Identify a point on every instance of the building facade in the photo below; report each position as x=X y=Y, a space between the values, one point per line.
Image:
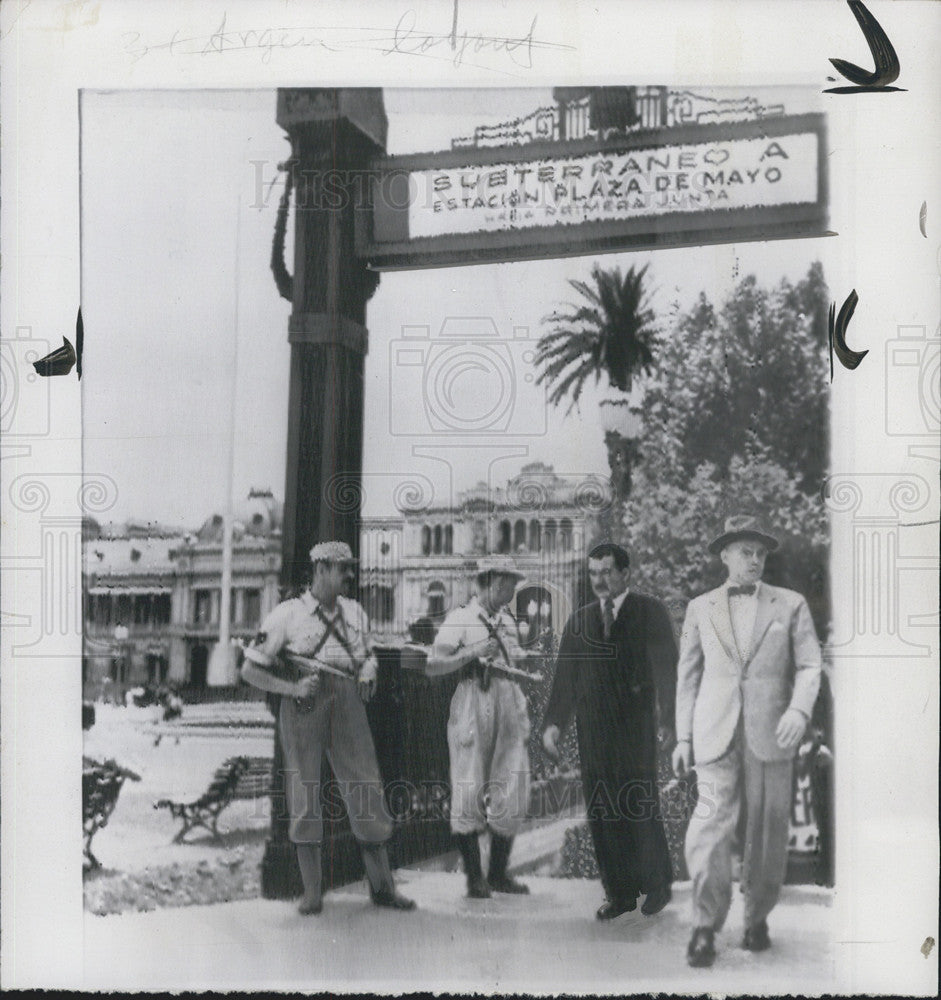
x=153 y=593
x=421 y=563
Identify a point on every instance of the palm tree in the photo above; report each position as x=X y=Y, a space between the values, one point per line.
x=611 y=333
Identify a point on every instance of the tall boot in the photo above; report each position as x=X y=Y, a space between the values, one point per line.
x=379 y=874
x=308 y=860
x=500 y=848
x=469 y=846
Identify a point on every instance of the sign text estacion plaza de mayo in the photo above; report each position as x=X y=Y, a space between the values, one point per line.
x=703 y=183
x=604 y=186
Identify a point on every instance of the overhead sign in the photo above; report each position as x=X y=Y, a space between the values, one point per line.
x=664 y=187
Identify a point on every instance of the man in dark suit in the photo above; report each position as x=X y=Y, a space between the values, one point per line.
x=616 y=670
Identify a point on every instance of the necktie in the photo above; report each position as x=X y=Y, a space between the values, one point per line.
x=608 y=616
x=746 y=590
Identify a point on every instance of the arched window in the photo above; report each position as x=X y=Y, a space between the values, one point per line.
x=548 y=536
x=504 y=543
x=519 y=535
x=425 y=540
x=535 y=536
x=436 y=595
x=437 y=539
x=448 y=539
x=565 y=535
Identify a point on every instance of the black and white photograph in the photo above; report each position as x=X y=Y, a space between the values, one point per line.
x=477 y=568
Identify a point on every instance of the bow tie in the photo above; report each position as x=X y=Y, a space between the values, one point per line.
x=746 y=590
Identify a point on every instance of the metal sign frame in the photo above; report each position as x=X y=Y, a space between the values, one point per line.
x=383 y=241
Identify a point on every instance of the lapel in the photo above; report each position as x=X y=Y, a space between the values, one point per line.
x=721 y=620
x=763 y=618
x=620 y=619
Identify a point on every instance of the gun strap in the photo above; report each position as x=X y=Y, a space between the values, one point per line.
x=330 y=628
x=494 y=634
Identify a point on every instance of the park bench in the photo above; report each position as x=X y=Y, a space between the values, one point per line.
x=101 y=785
x=236 y=778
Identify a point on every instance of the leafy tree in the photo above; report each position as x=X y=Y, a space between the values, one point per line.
x=609 y=334
x=735 y=419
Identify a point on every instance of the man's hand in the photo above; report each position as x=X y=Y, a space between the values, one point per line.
x=366 y=682
x=307 y=686
x=550 y=743
x=791 y=729
x=682 y=758
x=487 y=649
x=665 y=737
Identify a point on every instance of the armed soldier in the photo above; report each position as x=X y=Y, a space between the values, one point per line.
x=322 y=712
x=488 y=726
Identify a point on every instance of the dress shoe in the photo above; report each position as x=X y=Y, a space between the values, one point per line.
x=612 y=908
x=656 y=900
x=507 y=884
x=756 y=937
x=310 y=907
x=393 y=900
x=701 y=952
x=478 y=887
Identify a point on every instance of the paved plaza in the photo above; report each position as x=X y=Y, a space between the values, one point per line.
x=547 y=942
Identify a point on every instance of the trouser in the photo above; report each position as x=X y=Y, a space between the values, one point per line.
x=487 y=733
x=739 y=779
x=630 y=843
x=336 y=726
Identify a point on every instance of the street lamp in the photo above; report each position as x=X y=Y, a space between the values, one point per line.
x=120 y=637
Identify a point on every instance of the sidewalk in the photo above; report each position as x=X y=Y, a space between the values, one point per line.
x=547 y=942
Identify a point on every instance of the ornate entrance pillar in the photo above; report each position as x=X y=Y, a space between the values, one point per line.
x=335 y=134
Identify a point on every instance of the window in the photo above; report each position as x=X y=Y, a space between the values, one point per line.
x=437 y=539
x=379 y=603
x=548 y=537
x=251 y=608
x=504 y=541
x=436 y=594
x=141 y=609
x=519 y=535
x=535 y=536
x=565 y=535
x=124 y=609
x=202 y=607
x=161 y=609
x=448 y=540
x=425 y=540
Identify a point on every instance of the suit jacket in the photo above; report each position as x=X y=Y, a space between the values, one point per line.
x=633 y=671
x=715 y=685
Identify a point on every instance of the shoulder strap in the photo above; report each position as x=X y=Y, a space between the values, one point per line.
x=330 y=628
x=494 y=634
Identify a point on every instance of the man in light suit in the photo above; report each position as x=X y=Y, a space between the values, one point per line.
x=747 y=679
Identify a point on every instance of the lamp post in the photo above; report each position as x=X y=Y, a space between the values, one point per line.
x=120 y=638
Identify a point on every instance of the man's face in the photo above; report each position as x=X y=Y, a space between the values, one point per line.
x=745 y=561
x=606 y=579
x=502 y=589
x=336 y=577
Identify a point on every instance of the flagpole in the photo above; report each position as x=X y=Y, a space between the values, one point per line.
x=221 y=671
